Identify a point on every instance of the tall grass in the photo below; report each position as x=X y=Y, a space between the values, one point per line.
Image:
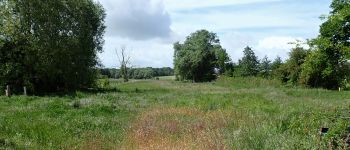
x=231 y=113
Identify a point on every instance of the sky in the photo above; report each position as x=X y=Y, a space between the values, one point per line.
x=148 y=28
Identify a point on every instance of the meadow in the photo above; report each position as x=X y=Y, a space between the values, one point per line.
x=230 y=113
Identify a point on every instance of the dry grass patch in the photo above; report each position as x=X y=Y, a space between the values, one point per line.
x=178 y=128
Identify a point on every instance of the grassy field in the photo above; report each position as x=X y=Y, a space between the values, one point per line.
x=231 y=113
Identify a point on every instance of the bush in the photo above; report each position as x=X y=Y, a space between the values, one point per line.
x=103 y=83
x=345 y=84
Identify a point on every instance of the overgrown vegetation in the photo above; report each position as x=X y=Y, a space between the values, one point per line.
x=232 y=113
x=50 y=46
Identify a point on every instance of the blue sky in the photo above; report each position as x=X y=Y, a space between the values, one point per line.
x=148 y=28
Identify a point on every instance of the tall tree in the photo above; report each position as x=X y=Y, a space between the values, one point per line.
x=249 y=64
x=275 y=67
x=325 y=66
x=265 y=67
x=276 y=63
x=290 y=71
x=196 y=58
x=57 y=42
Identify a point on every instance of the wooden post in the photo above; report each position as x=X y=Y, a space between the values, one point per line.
x=8 y=91
x=25 y=91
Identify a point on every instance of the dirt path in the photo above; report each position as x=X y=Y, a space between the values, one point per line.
x=177 y=129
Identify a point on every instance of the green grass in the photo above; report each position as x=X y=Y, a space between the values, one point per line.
x=231 y=113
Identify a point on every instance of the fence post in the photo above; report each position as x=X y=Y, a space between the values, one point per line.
x=25 y=91
x=8 y=91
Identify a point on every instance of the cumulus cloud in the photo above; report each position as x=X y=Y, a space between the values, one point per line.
x=145 y=53
x=137 y=19
x=149 y=27
x=277 y=46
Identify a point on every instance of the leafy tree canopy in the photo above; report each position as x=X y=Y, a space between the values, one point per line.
x=325 y=66
x=50 y=45
x=249 y=64
x=198 y=57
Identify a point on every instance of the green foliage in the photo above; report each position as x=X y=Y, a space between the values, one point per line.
x=223 y=61
x=103 y=82
x=50 y=45
x=325 y=66
x=144 y=73
x=198 y=57
x=289 y=72
x=276 y=63
x=249 y=64
x=138 y=73
x=265 y=67
x=275 y=66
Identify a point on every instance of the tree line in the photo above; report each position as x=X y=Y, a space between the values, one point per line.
x=50 y=46
x=325 y=64
x=137 y=73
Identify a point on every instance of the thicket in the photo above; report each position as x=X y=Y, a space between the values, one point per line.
x=50 y=46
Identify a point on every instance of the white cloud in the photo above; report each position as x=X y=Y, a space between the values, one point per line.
x=137 y=19
x=145 y=53
x=193 y=4
x=149 y=27
x=277 y=46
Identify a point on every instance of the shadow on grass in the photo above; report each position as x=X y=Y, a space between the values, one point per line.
x=76 y=93
x=7 y=144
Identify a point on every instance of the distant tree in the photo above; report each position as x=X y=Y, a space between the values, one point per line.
x=249 y=64
x=325 y=66
x=265 y=67
x=290 y=71
x=50 y=46
x=276 y=63
x=138 y=73
x=125 y=63
x=196 y=59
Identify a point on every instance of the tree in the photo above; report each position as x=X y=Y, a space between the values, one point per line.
x=275 y=66
x=125 y=64
x=276 y=63
x=325 y=66
x=265 y=67
x=196 y=59
x=290 y=71
x=50 y=45
x=249 y=64
x=223 y=60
